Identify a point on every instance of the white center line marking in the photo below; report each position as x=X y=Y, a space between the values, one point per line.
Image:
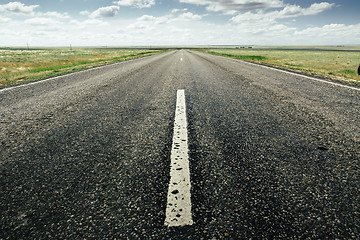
x=178 y=208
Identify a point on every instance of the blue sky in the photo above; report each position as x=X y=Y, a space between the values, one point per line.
x=179 y=22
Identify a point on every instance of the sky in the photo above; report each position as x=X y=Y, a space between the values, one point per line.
x=179 y=22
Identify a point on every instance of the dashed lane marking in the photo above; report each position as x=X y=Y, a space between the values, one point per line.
x=178 y=208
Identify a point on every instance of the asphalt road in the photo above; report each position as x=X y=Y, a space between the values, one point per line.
x=272 y=155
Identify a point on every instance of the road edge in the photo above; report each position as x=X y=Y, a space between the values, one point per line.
x=300 y=74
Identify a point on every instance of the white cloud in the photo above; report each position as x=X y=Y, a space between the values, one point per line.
x=89 y=23
x=234 y=6
x=147 y=22
x=175 y=10
x=154 y=20
x=45 y=24
x=140 y=26
x=55 y=15
x=4 y=19
x=331 y=34
x=190 y=16
x=263 y=23
x=255 y=22
x=318 y=8
x=290 y=11
x=136 y=3
x=39 y=21
x=85 y=13
x=21 y=9
x=104 y=12
x=296 y=11
x=18 y=8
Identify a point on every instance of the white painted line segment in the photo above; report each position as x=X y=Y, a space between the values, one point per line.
x=178 y=207
x=300 y=75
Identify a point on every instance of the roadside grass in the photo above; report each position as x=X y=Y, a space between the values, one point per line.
x=329 y=62
x=241 y=57
x=22 y=65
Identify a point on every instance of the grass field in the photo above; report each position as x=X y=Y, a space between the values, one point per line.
x=23 y=65
x=338 y=63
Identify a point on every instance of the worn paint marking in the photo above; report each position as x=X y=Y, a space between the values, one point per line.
x=178 y=208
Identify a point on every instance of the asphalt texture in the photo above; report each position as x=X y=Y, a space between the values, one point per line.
x=272 y=155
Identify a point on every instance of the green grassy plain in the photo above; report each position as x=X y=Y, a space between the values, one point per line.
x=338 y=63
x=23 y=65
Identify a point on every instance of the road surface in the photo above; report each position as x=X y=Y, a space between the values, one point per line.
x=271 y=155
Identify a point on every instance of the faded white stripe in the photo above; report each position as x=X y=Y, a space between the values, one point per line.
x=178 y=208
